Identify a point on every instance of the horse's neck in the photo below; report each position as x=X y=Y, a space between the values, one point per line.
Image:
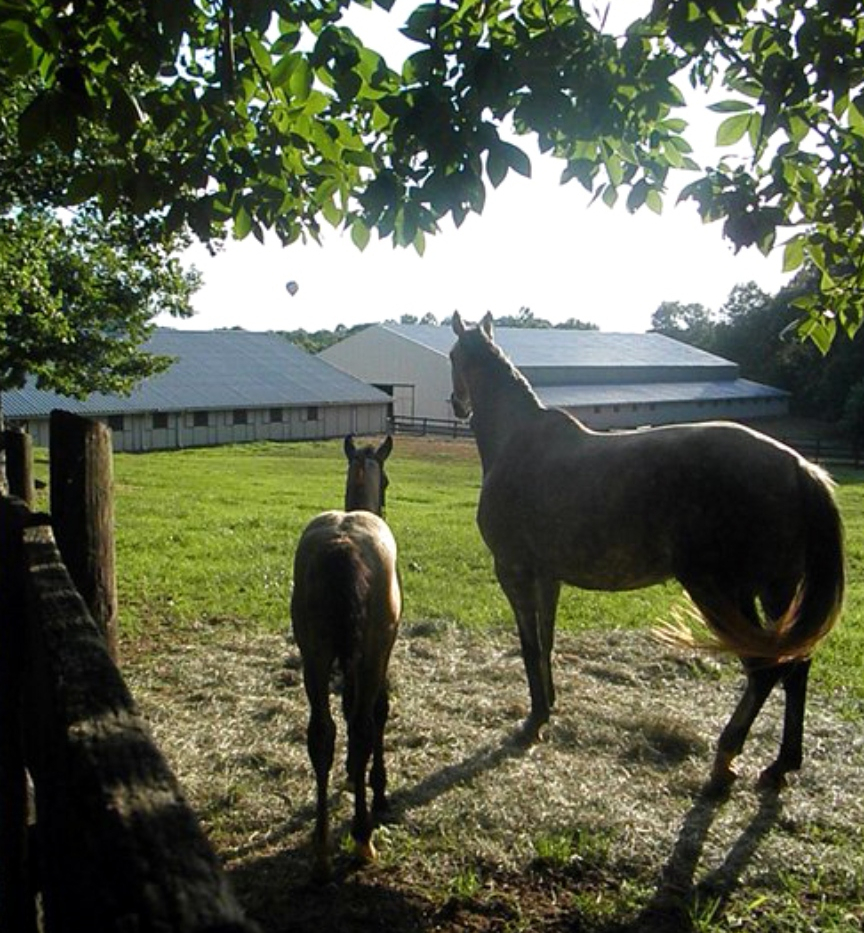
x=500 y=408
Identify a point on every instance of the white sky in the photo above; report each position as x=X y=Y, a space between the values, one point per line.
x=537 y=244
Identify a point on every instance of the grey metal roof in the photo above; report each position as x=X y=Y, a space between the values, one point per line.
x=575 y=396
x=214 y=370
x=545 y=347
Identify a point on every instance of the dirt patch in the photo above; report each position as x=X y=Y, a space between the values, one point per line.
x=600 y=826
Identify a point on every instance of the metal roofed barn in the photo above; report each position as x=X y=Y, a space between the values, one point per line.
x=224 y=387
x=606 y=380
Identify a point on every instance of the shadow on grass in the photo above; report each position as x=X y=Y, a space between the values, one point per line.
x=486 y=758
x=276 y=894
x=275 y=890
x=681 y=901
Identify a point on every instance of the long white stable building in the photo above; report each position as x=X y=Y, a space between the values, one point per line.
x=606 y=380
x=224 y=387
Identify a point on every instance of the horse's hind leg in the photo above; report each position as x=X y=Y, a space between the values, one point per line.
x=792 y=745
x=378 y=775
x=548 y=592
x=520 y=588
x=361 y=732
x=320 y=741
x=760 y=682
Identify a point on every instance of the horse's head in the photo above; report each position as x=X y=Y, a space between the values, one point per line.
x=460 y=358
x=367 y=481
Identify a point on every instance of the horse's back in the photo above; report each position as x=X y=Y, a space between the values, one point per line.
x=364 y=538
x=621 y=510
x=364 y=530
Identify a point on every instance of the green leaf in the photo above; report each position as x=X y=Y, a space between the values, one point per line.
x=516 y=159
x=732 y=129
x=638 y=195
x=856 y=115
x=731 y=106
x=654 y=201
x=359 y=234
x=332 y=213
x=242 y=223
x=496 y=165
x=793 y=254
x=300 y=79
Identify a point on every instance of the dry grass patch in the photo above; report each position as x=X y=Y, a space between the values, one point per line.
x=599 y=827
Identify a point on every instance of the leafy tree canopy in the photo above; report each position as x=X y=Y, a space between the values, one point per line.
x=78 y=298
x=79 y=288
x=273 y=114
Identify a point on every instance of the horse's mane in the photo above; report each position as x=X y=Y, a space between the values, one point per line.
x=483 y=349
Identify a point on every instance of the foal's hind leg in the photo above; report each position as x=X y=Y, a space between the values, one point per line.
x=792 y=745
x=320 y=741
x=361 y=732
x=378 y=775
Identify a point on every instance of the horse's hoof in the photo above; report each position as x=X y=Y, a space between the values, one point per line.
x=365 y=851
x=772 y=779
x=719 y=784
x=531 y=731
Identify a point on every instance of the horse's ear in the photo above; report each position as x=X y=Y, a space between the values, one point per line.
x=386 y=448
x=486 y=324
x=458 y=326
x=350 y=449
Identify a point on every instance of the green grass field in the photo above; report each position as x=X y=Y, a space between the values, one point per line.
x=207 y=536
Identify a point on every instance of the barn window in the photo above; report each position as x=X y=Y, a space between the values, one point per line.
x=240 y=416
x=312 y=413
x=115 y=422
x=200 y=419
x=275 y=415
x=160 y=420
x=597 y=409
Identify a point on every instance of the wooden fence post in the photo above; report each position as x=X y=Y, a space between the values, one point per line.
x=82 y=513
x=18 y=446
x=17 y=902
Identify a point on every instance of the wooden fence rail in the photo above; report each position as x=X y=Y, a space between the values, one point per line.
x=421 y=427
x=112 y=845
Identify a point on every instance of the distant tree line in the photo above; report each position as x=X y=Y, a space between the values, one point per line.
x=758 y=331
x=315 y=341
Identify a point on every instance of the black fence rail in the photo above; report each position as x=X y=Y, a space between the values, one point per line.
x=421 y=427
x=823 y=451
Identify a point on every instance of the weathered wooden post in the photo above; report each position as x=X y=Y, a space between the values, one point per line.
x=18 y=446
x=82 y=513
x=17 y=903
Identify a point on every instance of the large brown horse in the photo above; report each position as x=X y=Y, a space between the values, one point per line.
x=345 y=610
x=740 y=520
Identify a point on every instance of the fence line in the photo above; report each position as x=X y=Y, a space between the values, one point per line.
x=113 y=845
x=826 y=451
x=421 y=427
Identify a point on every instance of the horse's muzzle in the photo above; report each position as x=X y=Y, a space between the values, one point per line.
x=461 y=409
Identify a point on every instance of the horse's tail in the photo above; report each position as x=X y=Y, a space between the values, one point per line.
x=817 y=603
x=342 y=597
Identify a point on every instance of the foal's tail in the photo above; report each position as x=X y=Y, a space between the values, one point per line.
x=817 y=603
x=342 y=597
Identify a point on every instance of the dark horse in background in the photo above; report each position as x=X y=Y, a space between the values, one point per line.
x=740 y=520
x=345 y=610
